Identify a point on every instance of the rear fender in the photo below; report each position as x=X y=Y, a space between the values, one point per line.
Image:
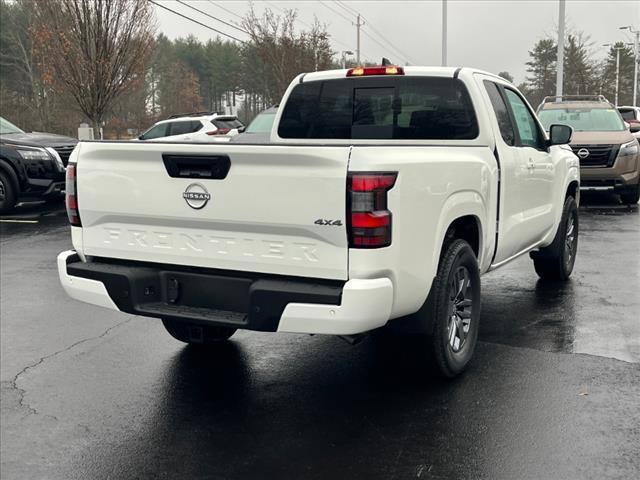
x=461 y=204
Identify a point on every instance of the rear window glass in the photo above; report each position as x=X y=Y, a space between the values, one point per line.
x=627 y=114
x=398 y=108
x=228 y=123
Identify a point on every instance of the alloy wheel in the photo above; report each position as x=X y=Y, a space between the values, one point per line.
x=460 y=304
x=570 y=240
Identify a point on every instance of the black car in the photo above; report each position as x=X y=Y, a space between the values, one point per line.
x=32 y=165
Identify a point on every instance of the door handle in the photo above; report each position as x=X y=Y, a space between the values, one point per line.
x=531 y=165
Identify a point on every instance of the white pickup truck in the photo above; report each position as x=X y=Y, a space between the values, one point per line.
x=381 y=198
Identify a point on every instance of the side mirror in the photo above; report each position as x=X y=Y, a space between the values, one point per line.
x=560 y=134
x=634 y=127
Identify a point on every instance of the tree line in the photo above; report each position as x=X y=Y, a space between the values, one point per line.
x=582 y=73
x=102 y=61
x=63 y=62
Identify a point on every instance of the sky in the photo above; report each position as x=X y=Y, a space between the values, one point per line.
x=493 y=35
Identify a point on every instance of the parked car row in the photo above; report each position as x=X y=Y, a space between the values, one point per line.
x=32 y=164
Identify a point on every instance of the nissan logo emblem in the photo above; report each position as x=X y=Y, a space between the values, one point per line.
x=583 y=153
x=196 y=196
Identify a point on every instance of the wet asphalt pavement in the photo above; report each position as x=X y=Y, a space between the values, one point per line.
x=553 y=392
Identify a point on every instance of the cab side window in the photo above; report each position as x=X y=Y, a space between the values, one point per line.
x=502 y=113
x=530 y=134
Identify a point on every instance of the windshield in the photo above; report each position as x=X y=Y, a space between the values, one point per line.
x=380 y=107
x=583 y=119
x=8 y=127
x=262 y=123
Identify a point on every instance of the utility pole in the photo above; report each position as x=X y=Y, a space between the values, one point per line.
x=636 y=60
x=560 y=59
x=358 y=25
x=444 y=33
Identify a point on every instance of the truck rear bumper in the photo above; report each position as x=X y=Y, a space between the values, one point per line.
x=235 y=299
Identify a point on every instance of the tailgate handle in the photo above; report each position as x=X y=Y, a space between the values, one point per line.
x=214 y=167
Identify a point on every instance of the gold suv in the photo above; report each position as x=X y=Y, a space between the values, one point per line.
x=609 y=154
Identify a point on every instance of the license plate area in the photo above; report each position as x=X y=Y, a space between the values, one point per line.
x=205 y=291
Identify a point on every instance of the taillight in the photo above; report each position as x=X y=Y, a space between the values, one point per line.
x=366 y=71
x=369 y=219
x=72 y=195
x=220 y=131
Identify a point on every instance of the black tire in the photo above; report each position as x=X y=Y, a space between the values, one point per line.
x=631 y=197
x=555 y=262
x=8 y=195
x=194 y=334
x=451 y=311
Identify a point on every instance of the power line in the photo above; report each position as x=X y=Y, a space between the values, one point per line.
x=211 y=16
x=298 y=19
x=335 y=11
x=310 y=26
x=226 y=10
x=389 y=47
x=346 y=8
x=196 y=21
x=383 y=46
x=348 y=20
x=352 y=11
x=402 y=54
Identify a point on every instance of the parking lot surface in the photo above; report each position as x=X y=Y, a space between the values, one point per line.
x=552 y=393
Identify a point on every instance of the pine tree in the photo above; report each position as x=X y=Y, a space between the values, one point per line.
x=542 y=70
x=579 y=70
x=608 y=78
x=507 y=76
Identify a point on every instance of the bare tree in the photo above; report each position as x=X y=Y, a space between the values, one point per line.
x=95 y=49
x=21 y=69
x=283 y=52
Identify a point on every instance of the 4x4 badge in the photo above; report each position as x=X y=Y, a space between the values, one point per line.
x=196 y=196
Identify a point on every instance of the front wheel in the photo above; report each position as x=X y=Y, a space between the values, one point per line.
x=632 y=196
x=7 y=194
x=556 y=261
x=197 y=334
x=455 y=308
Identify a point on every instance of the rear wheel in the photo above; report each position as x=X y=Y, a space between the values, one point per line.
x=7 y=194
x=556 y=261
x=632 y=196
x=455 y=308
x=197 y=334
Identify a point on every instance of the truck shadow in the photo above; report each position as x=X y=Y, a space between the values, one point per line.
x=221 y=417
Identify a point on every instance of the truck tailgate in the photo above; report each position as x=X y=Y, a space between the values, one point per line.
x=261 y=216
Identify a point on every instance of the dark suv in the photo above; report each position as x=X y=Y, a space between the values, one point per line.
x=32 y=165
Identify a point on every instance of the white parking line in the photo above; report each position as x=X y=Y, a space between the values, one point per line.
x=12 y=220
